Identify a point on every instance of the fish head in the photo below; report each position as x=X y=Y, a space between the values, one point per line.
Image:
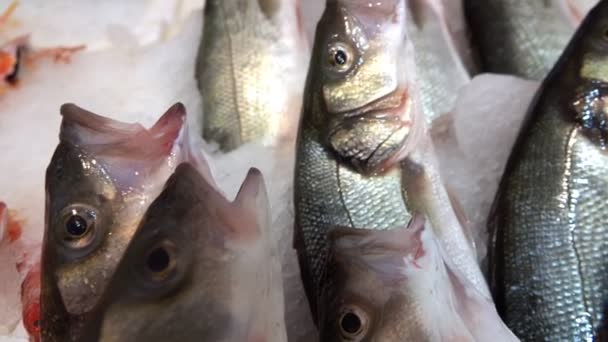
x=196 y=268
x=363 y=64
x=101 y=178
x=394 y=285
x=364 y=292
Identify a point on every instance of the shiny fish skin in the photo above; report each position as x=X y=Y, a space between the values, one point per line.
x=328 y=190
x=218 y=277
x=518 y=37
x=104 y=172
x=550 y=216
x=251 y=71
x=440 y=68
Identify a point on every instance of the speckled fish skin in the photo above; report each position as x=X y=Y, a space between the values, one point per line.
x=440 y=68
x=103 y=174
x=550 y=217
x=356 y=117
x=199 y=268
x=251 y=71
x=519 y=37
x=378 y=284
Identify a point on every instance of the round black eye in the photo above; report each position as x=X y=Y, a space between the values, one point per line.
x=340 y=57
x=158 y=260
x=353 y=323
x=350 y=323
x=76 y=226
x=161 y=261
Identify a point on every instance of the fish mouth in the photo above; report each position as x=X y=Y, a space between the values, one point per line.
x=371 y=138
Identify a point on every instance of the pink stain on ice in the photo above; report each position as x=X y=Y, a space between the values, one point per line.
x=30 y=301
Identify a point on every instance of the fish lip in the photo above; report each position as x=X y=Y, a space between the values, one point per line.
x=376 y=108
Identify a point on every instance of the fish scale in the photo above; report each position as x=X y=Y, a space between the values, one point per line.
x=519 y=37
x=550 y=217
x=538 y=221
x=331 y=194
x=588 y=224
x=440 y=70
x=247 y=64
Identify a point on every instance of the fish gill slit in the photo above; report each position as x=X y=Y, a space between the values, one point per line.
x=340 y=193
x=571 y=220
x=371 y=155
x=235 y=98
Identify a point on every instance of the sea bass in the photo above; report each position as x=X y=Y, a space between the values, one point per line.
x=251 y=71
x=357 y=121
x=199 y=268
x=102 y=177
x=378 y=285
x=519 y=37
x=550 y=217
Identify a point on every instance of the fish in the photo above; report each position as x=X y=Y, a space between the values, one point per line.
x=519 y=37
x=357 y=119
x=101 y=179
x=549 y=241
x=378 y=285
x=251 y=69
x=439 y=54
x=199 y=268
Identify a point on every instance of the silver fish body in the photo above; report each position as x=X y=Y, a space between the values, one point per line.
x=440 y=67
x=519 y=37
x=550 y=217
x=356 y=118
x=251 y=70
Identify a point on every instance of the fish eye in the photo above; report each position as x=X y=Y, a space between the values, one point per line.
x=160 y=262
x=78 y=226
x=353 y=323
x=340 y=57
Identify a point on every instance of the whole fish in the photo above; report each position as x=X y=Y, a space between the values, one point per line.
x=357 y=119
x=378 y=285
x=550 y=217
x=102 y=177
x=519 y=37
x=251 y=71
x=199 y=268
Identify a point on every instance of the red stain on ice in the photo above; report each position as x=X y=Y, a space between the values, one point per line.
x=30 y=301
x=14 y=227
x=30 y=287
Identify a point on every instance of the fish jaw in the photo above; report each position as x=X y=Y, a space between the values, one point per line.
x=364 y=68
x=220 y=268
x=104 y=173
x=388 y=275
